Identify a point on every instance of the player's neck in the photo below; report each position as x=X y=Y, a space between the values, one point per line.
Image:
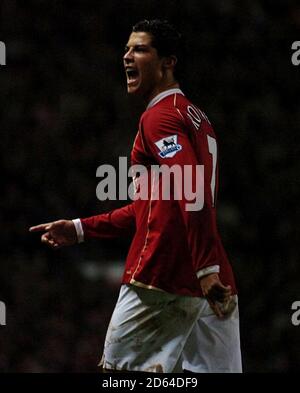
x=160 y=89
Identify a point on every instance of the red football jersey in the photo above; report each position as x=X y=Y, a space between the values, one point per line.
x=172 y=246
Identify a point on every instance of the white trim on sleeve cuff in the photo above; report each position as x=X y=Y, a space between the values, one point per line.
x=79 y=230
x=208 y=270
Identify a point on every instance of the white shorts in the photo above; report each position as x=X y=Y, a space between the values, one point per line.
x=154 y=331
x=214 y=344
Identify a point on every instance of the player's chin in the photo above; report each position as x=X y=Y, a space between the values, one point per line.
x=132 y=89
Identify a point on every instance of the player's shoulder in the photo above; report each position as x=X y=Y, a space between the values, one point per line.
x=195 y=116
x=164 y=111
x=176 y=109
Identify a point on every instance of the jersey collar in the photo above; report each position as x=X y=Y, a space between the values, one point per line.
x=163 y=95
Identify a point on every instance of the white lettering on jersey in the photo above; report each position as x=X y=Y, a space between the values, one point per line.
x=196 y=116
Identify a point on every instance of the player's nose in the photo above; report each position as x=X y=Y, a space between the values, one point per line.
x=128 y=56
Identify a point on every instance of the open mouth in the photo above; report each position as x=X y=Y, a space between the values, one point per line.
x=132 y=75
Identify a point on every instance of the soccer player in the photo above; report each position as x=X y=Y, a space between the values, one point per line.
x=177 y=308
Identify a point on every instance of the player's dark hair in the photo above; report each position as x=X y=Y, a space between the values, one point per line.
x=165 y=39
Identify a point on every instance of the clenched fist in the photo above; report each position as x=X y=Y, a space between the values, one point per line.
x=218 y=295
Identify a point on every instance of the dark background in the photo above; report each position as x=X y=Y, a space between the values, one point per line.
x=64 y=111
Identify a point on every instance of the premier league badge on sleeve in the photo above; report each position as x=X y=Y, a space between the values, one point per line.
x=168 y=146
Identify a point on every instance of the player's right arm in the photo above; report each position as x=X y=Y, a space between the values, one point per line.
x=57 y=234
x=117 y=223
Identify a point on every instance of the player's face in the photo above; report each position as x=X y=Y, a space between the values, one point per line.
x=143 y=66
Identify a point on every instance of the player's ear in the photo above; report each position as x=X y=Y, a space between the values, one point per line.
x=170 y=61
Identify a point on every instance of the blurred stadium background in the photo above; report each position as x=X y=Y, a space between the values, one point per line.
x=64 y=111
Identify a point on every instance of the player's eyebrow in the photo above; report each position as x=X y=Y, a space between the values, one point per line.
x=136 y=47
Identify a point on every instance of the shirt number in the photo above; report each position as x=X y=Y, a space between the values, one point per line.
x=212 y=148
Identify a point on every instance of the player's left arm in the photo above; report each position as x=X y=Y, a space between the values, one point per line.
x=154 y=131
x=218 y=295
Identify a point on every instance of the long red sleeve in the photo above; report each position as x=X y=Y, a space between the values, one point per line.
x=117 y=223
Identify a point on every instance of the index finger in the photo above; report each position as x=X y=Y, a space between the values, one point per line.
x=41 y=227
x=220 y=287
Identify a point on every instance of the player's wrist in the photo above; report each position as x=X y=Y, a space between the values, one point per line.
x=208 y=270
x=79 y=230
